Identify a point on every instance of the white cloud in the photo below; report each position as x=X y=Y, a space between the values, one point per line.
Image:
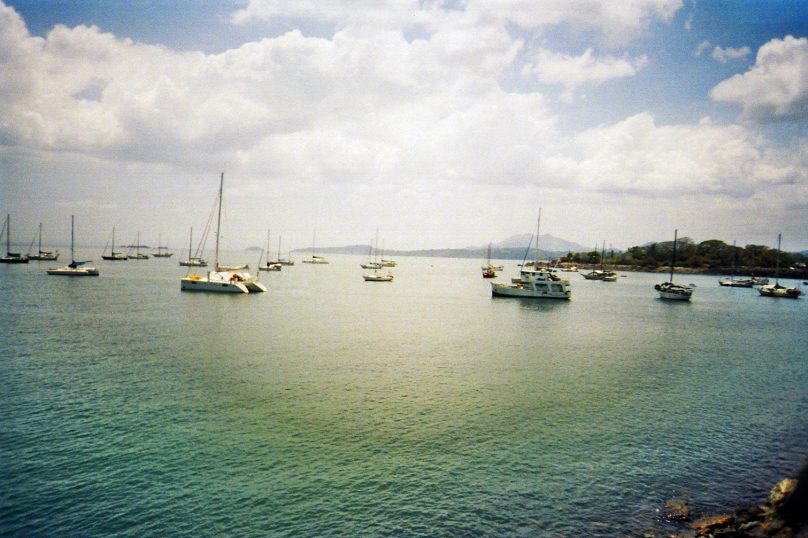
x=776 y=87
x=704 y=45
x=637 y=156
x=724 y=55
x=618 y=23
x=575 y=71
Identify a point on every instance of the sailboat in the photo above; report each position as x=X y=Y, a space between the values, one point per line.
x=731 y=281
x=269 y=265
x=219 y=281
x=11 y=257
x=776 y=290
x=45 y=255
x=537 y=280
x=378 y=275
x=162 y=251
x=600 y=274
x=488 y=268
x=113 y=256
x=193 y=261
x=137 y=255
x=316 y=260
x=671 y=290
x=373 y=263
x=74 y=268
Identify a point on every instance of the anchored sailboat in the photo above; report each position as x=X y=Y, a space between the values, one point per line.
x=44 y=255
x=218 y=280
x=671 y=290
x=74 y=268
x=113 y=256
x=11 y=257
x=776 y=290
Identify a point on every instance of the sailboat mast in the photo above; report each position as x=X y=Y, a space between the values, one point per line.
x=538 y=227
x=40 y=238
x=218 y=222
x=602 y=253
x=673 y=260
x=777 y=265
x=190 y=242
x=72 y=253
x=8 y=233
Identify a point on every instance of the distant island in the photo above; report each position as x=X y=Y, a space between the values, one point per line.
x=711 y=256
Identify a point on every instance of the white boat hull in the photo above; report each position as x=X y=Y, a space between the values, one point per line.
x=674 y=292
x=222 y=282
x=73 y=271
x=516 y=290
x=775 y=290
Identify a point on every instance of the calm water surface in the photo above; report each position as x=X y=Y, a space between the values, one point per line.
x=334 y=407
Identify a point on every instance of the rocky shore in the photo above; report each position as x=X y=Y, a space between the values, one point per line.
x=784 y=514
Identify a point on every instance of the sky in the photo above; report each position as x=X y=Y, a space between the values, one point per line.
x=442 y=124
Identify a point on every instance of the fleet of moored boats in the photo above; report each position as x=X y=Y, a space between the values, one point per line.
x=537 y=278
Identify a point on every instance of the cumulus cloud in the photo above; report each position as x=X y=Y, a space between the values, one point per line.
x=638 y=156
x=724 y=55
x=704 y=45
x=575 y=71
x=776 y=87
x=618 y=23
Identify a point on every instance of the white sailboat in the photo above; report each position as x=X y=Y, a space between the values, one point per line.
x=537 y=280
x=193 y=261
x=316 y=260
x=670 y=290
x=218 y=280
x=378 y=274
x=137 y=255
x=776 y=290
x=74 y=268
x=270 y=265
x=44 y=255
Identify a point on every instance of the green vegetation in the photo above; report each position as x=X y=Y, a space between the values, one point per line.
x=710 y=254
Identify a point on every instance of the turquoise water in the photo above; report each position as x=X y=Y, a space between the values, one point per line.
x=334 y=407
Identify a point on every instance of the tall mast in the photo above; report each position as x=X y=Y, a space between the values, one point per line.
x=190 y=242
x=538 y=227
x=218 y=222
x=8 y=233
x=673 y=261
x=602 y=253
x=40 y=238
x=72 y=254
x=777 y=266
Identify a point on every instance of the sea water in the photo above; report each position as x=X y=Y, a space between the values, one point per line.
x=331 y=406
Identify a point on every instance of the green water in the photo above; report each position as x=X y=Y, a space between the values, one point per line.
x=423 y=407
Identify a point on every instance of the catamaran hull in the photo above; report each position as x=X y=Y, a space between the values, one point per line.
x=216 y=286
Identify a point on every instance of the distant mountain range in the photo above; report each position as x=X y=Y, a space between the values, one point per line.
x=512 y=248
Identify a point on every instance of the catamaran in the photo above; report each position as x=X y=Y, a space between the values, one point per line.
x=74 y=268
x=218 y=280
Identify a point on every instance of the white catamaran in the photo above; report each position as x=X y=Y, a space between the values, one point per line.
x=218 y=280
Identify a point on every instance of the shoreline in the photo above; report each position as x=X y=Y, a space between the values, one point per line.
x=768 y=272
x=784 y=514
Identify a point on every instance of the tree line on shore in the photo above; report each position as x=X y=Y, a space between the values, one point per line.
x=710 y=254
